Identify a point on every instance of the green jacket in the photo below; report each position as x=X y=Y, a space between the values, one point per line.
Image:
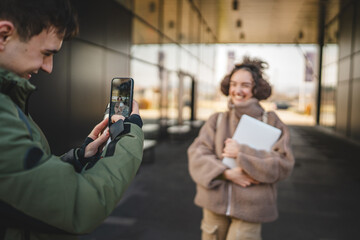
x=41 y=195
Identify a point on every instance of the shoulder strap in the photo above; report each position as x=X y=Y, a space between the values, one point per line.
x=265 y=117
x=22 y=116
x=219 y=117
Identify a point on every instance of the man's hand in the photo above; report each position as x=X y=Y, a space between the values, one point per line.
x=135 y=110
x=239 y=176
x=231 y=149
x=99 y=140
x=117 y=117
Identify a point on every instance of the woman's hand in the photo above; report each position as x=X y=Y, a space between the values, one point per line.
x=231 y=149
x=99 y=139
x=239 y=176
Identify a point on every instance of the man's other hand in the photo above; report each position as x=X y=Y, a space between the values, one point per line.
x=99 y=140
x=135 y=108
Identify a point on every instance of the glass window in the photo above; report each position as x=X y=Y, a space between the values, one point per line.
x=146 y=88
x=329 y=76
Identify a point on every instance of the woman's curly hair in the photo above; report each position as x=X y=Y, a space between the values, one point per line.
x=261 y=89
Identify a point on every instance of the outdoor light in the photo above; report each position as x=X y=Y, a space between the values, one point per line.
x=301 y=35
x=152 y=7
x=171 y=24
x=242 y=35
x=235 y=5
x=238 y=23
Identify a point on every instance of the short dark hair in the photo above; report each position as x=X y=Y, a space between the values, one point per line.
x=261 y=89
x=31 y=17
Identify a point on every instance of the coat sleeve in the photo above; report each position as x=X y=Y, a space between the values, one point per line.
x=269 y=167
x=50 y=190
x=204 y=166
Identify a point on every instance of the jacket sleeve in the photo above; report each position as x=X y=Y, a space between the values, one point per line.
x=76 y=157
x=204 y=166
x=50 y=190
x=269 y=167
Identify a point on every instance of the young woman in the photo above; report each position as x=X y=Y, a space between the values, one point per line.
x=236 y=201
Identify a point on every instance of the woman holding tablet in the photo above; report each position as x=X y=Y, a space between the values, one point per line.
x=237 y=200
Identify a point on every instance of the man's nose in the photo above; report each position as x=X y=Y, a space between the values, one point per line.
x=47 y=65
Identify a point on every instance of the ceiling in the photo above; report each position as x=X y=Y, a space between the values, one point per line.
x=268 y=21
x=250 y=21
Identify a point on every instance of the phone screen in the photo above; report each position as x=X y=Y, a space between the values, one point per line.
x=121 y=97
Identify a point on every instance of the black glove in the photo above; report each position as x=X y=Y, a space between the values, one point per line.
x=76 y=157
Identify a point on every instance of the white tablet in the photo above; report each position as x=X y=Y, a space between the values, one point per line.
x=254 y=133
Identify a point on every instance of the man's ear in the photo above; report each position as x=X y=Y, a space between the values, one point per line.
x=7 y=29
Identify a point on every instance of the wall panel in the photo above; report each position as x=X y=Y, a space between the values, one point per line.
x=356 y=66
x=355 y=112
x=116 y=66
x=92 y=20
x=49 y=104
x=344 y=69
x=357 y=27
x=345 y=41
x=72 y=99
x=86 y=86
x=118 y=27
x=348 y=100
x=342 y=107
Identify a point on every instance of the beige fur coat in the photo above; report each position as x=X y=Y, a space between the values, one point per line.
x=256 y=203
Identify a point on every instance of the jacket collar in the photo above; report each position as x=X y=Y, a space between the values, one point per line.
x=17 y=88
x=251 y=107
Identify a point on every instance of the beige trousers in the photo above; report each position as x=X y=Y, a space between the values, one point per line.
x=220 y=227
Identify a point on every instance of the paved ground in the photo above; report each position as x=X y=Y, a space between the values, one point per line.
x=321 y=200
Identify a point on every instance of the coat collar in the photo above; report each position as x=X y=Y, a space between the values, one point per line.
x=251 y=107
x=17 y=88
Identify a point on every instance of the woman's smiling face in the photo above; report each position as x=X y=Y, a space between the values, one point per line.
x=241 y=85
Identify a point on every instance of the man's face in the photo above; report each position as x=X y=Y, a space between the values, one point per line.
x=26 y=58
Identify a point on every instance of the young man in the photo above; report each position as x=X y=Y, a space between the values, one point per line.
x=43 y=196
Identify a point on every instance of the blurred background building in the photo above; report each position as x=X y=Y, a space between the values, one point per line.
x=177 y=51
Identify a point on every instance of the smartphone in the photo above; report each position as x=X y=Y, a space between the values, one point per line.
x=121 y=97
